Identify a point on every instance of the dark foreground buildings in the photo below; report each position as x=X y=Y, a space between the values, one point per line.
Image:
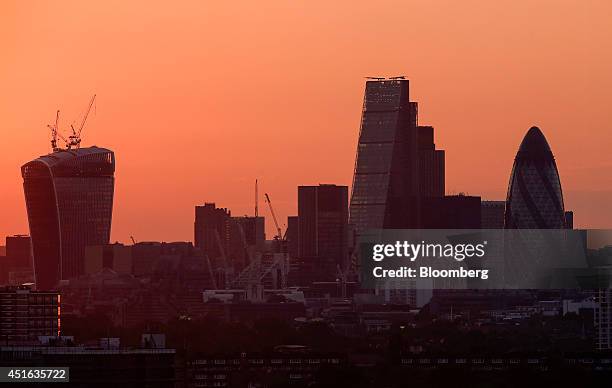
x=492 y=214
x=69 y=198
x=228 y=242
x=16 y=264
x=323 y=225
x=451 y=212
x=212 y=229
x=26 y=314
x=99 y=367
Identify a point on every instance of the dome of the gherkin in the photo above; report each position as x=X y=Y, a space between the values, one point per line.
x=535 y=197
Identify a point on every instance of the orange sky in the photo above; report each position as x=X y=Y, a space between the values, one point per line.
x=197 y=99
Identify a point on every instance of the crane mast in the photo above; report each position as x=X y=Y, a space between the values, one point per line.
x=74 y=140
x=279 y=234
x=53 y=129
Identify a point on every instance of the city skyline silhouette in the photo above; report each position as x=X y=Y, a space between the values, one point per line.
x=305 y=194
x=202 y=121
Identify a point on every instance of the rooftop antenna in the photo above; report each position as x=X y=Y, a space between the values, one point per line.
x=256 y=201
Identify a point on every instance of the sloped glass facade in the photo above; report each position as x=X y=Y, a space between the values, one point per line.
x=381 y=183
x=397 y=164
x=69 y=199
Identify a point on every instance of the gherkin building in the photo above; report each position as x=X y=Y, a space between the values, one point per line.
x=535 y=198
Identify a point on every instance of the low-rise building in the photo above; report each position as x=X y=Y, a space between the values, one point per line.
x=26 y=314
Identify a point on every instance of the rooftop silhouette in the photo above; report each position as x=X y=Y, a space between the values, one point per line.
x=534 y=146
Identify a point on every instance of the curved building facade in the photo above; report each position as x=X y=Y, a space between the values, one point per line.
x=535 y=198
x=69 y=199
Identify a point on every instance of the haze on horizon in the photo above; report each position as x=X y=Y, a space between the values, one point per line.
x=199 y=99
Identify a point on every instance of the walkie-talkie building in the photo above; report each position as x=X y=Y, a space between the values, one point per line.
x=69 y=199
x=535 y=198
x=397 y=164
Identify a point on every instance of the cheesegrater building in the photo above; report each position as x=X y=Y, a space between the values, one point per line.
x=397 y=164
x=69 y=199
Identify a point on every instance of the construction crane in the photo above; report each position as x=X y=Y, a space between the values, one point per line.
x=245 y=244
x=279 y=233
x=74 y=140
x=211 y=273
x=54 y=133
x=376 y=78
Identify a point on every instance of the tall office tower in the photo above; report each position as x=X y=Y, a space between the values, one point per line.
x=212 y=230
x=69 y=198
x=492 y=214
x=323 y=224
x=535 y=198
x=430 y=164
x=292 y=235
x=396 y=164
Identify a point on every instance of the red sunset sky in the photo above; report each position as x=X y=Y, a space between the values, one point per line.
x=199 y=98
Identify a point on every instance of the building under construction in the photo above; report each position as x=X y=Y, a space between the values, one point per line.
x=69 y=199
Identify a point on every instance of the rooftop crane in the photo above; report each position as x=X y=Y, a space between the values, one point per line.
x=281 y=264
x=53 y=129
x=279 y=234
x=55 y=133
x=74 y=140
